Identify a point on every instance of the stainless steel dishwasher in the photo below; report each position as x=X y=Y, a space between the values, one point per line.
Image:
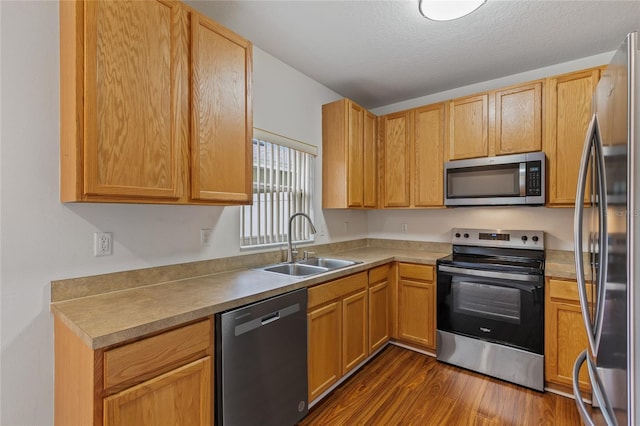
x=261 y=362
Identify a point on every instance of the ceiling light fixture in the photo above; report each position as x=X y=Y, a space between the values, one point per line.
x=447 y=10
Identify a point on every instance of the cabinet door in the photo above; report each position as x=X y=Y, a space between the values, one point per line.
x=355 y=170
x=379 y=297
x=468 y=127
x=565 y=335
x=568 y=114
x=428 y=156
x=354 y=330
x=134 y=121
x=518 y=119
x=180 y=397
x=416 y=305
x=397 y=139
x=370 y=139
x=222 y=123
x=324 y=347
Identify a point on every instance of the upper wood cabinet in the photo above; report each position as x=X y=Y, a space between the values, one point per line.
x=395 y=132
x=370 y=159
x=133 y=75
x=221 y=148
x=505 y=121
x=413 y=145
x=469 y=127
x=518 y=119
x=568 y=112
x=428 y=155
x=349 y=152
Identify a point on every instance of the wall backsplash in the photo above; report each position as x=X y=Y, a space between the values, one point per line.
x=435 y=225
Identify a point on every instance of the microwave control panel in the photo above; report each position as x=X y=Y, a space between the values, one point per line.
x=534 y=178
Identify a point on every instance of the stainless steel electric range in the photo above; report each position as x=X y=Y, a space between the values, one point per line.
x=490 y=313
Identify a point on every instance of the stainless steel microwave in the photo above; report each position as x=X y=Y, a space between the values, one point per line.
x=493 y=181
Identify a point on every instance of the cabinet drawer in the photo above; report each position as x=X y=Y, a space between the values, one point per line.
x=416 y=272
x=379 y=274
x=150 y=357
x=568 y=290
x=336 y=289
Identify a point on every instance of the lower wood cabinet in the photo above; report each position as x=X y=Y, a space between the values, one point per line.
x=338 y=330
x=179 y=397
x=162 y=379
x=565 y=335
x=355 y=319
x=379 y=307
x=324 y=367
x=417 y=305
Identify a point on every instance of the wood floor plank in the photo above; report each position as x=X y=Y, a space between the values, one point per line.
x=402 y=387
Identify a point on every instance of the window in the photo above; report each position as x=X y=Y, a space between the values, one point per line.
x=282 y=185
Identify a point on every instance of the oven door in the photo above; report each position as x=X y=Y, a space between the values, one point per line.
x=500 y=307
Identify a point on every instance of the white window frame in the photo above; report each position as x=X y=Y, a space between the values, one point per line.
x=277 y=179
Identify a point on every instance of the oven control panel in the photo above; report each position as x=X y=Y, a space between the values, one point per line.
x=532 y=240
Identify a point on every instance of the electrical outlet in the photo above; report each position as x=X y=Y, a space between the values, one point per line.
x=403 y=227
x=346 y=227
x=102 y=244
x=205 y=237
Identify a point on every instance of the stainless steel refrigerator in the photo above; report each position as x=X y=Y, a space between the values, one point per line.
x=607 y=246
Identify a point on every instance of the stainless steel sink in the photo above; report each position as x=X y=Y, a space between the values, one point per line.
x=295 y=269
x=326 y=262
x=306 y=267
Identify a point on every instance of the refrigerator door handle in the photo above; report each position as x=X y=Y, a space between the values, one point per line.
x=582 y=409
x=598 y=395
x=603 y=246
x=577 y=233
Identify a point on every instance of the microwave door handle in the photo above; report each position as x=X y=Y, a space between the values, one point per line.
x=577 y=234
x=602 y=241
x=523 y=179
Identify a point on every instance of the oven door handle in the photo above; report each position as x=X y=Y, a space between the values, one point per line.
x=489 y=274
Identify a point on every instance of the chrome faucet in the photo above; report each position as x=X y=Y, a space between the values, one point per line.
x=290 y=249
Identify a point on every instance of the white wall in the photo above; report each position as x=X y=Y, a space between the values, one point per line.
x=435 y=225
x=44 y=240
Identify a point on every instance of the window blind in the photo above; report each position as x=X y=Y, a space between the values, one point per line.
x=282 y=186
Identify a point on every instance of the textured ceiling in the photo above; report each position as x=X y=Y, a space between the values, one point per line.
x=381 y=52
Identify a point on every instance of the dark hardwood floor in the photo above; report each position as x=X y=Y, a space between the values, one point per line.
x=402 y=387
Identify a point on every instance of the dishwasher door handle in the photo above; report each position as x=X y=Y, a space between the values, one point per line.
x=270 y=318
x=247 y=326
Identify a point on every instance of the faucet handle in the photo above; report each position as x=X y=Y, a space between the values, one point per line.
x=306 y=253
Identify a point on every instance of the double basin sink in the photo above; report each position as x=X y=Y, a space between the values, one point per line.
x=310 y=266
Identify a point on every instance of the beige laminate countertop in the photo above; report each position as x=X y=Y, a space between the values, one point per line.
x=111 y=318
